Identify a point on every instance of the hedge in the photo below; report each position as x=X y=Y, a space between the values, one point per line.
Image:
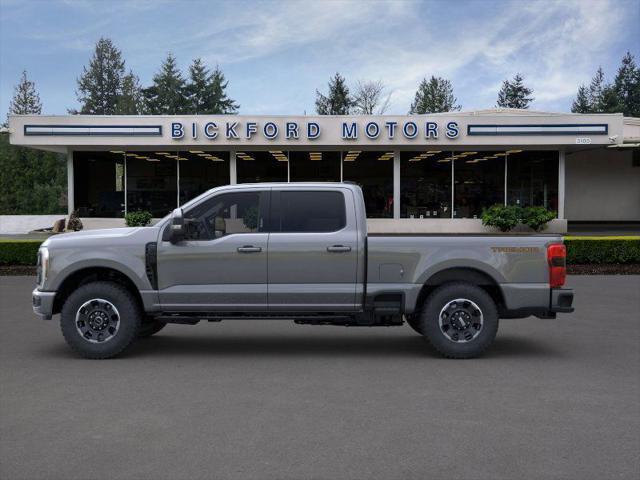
x=19 y=252
x=602 y=250
x=580 y=250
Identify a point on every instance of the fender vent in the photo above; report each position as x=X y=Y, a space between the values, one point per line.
x=151 y=263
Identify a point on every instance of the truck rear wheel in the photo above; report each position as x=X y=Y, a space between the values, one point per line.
x=100 y=320
x=460 y=320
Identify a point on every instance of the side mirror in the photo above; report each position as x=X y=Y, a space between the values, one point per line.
x=176 y=229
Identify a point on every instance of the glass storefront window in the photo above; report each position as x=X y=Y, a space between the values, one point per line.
x=373 y=171
x=478 y=182
x=315 y=166
x=259 y=166
x=152 y=182
x=200 y=171
x=532 y=178
x=99 y=184
x=425 y=184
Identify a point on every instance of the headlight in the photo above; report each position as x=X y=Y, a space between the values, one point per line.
x=43 y=266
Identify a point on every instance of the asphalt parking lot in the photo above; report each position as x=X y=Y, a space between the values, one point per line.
x=273 y=400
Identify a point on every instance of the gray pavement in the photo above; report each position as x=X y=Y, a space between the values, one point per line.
x=272 y=400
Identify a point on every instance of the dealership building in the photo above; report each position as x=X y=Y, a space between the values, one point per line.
x=422 y=173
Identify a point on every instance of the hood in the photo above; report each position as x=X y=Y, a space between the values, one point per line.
x=107 y=235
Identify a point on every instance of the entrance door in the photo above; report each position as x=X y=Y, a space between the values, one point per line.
x=313 y=250
x=221 y=265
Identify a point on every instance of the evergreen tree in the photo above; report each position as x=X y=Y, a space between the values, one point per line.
x=31 y=181
x=596 y=91
x=627 y=86
x=196 y=89
x=219 y=102
x=206 y=91
x=167 y=95
x=130 y=101
x=25 y=99
x=338 y=101
x=433 y=96
x=99 y=86
x=514 y=94
x=581 y=104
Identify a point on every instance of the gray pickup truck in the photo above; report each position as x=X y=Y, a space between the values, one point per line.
x=298 y=251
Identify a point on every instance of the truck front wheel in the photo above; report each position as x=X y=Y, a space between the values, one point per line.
x=100 y=320
x=460 y=320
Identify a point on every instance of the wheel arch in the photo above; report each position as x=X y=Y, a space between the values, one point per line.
x=461 y=274
x=86 y=275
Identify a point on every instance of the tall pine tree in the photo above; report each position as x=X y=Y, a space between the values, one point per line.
x=31 y=181
x=167 y=94
x=514 y=94
x=25 y=99
x=338 y=100
x=596 y=91
x=433 y=96
x=100 y=85
x=130 y=101
x=219 y=102
x=206 y=92
x=582 y=103
x=627 y=86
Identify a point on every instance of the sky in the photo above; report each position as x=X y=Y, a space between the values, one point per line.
x=275 y=54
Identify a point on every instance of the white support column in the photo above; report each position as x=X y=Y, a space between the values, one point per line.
x=561 y=176
x=506 y=168
x=70 y=183
x=453 y=184
x=125 y=185
x=233 y=172
x=396 y=184
x=177 y=183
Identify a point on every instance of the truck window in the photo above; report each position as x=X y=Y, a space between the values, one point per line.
x=317 y=211
x=225 y=214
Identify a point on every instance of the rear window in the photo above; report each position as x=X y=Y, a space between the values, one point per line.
x=312 y=212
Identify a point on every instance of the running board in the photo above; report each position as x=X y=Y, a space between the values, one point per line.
x=362 y=319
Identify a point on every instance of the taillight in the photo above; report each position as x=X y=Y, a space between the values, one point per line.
x=557 y=258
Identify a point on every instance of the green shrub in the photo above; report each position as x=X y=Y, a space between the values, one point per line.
x=602 y=250
x=536 y=217
x=19 y=252
x=138 y=219
x=508 y=217
x=499 y=216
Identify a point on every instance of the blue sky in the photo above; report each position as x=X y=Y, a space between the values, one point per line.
x=275 y=54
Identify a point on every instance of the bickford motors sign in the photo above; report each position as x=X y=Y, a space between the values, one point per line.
x=310 y=130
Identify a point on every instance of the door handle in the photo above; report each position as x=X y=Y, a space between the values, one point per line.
x=338 y=248
x=249 y=249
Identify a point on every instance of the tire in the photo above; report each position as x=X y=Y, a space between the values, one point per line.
x=459 y=320
x=100 y=320
x=149 y=327
x=414 y=322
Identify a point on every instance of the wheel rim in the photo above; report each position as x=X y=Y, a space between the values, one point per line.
x=461 y=320
x=97 y=320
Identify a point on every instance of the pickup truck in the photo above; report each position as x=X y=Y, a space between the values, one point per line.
x=298 y=251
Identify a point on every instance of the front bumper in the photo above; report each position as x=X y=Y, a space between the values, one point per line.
x=562 y=300
x=43 y=303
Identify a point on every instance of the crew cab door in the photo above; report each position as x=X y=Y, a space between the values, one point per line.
x=313 y=250
x=221 y=265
